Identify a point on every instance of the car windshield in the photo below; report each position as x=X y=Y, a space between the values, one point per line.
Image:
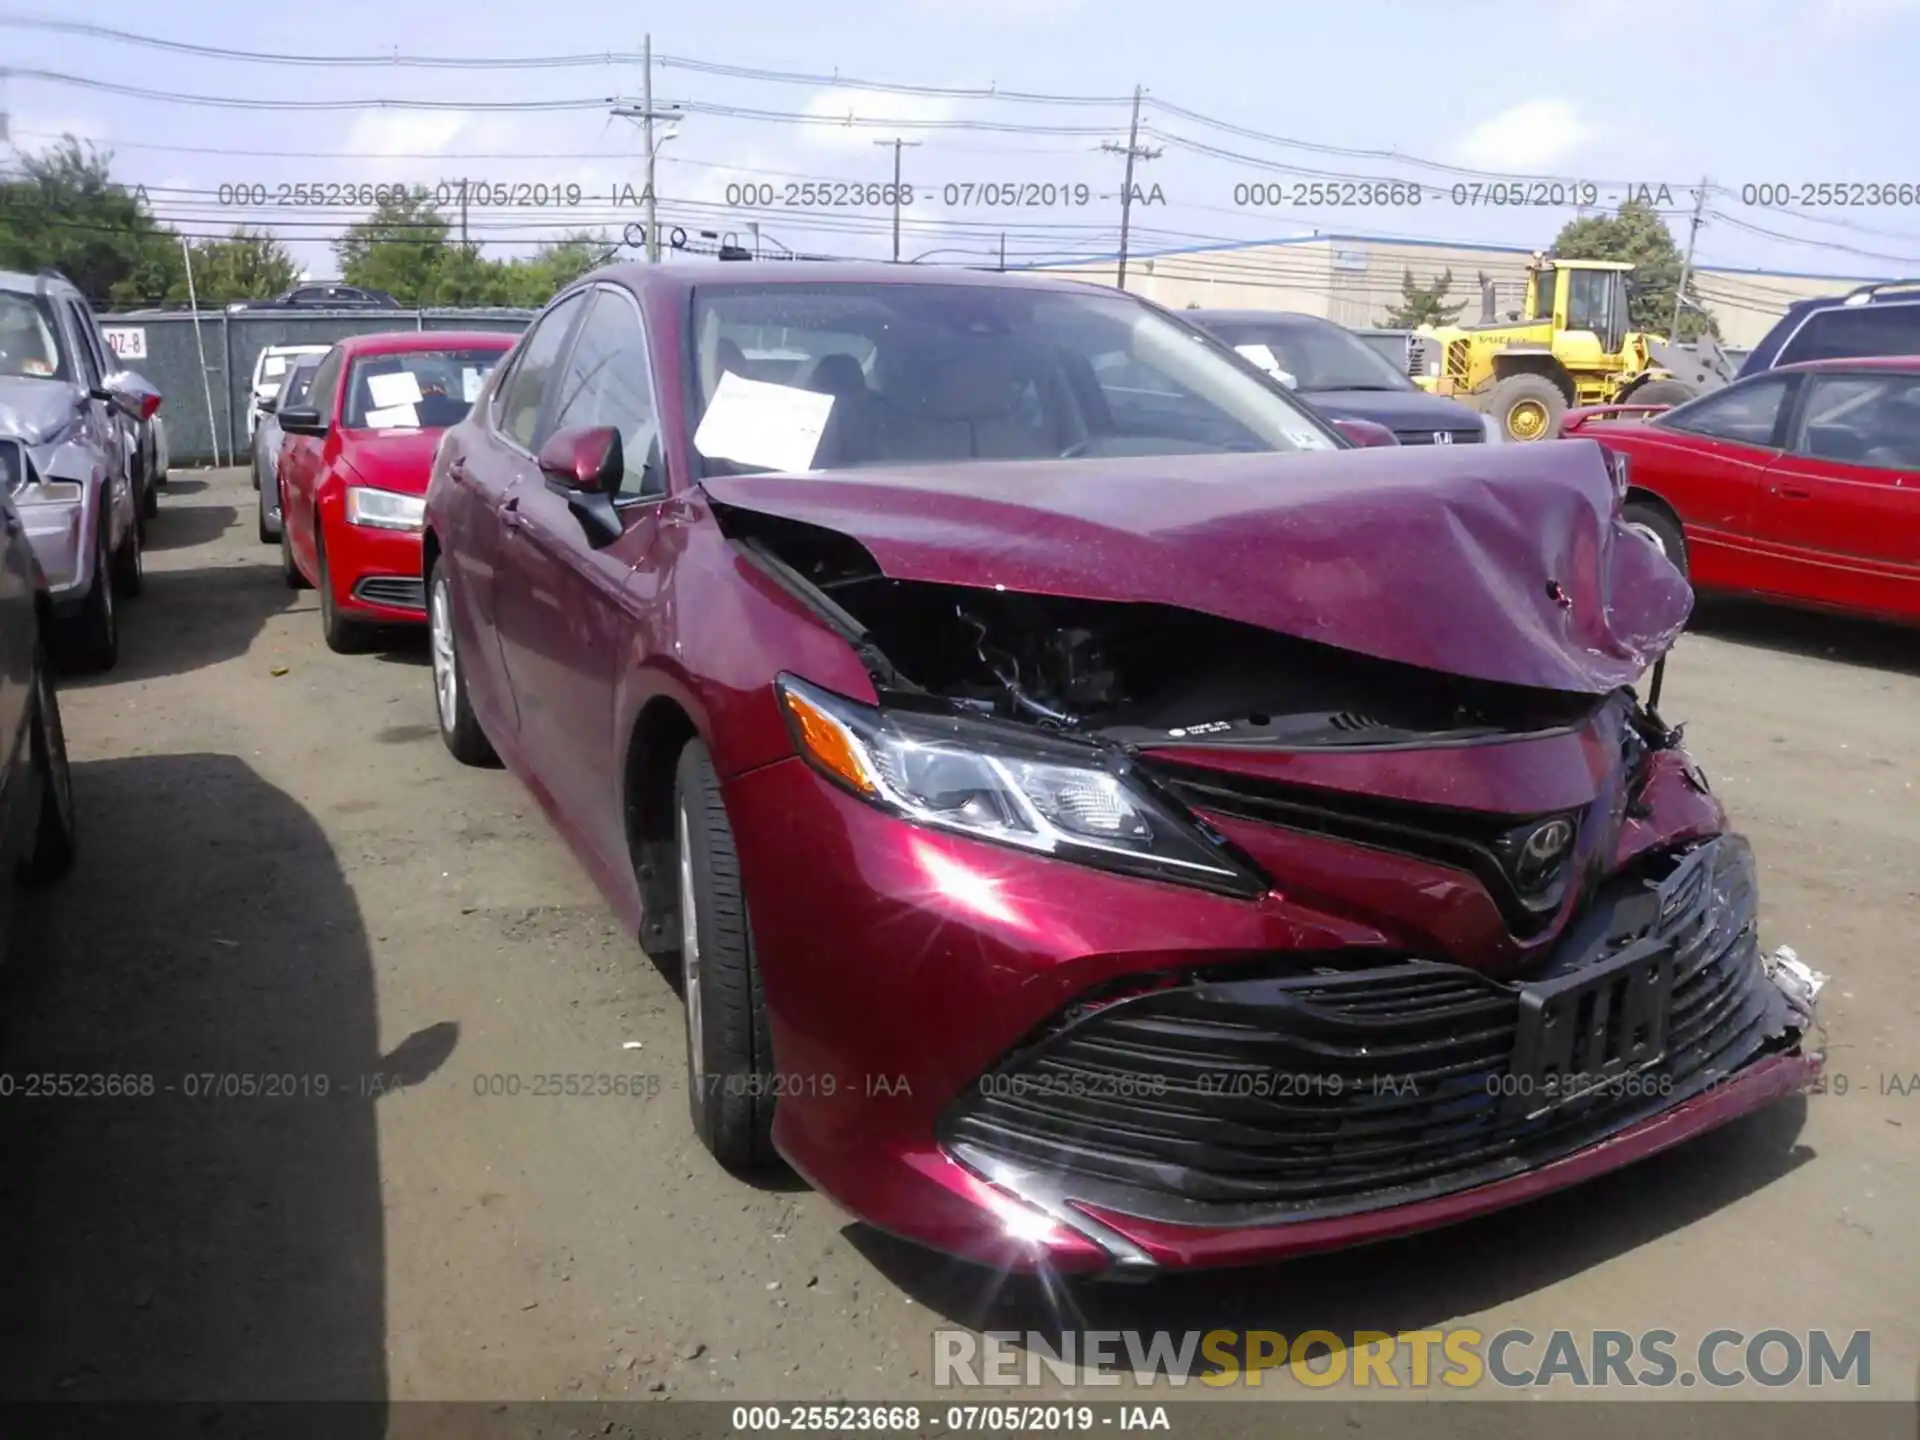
x=29 y=340
x=1314 y=357
x=831 y=376
x=416 y=389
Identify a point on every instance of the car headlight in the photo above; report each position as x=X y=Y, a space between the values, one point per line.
x=985 y=779
x=1496 y=432
x=385 y=509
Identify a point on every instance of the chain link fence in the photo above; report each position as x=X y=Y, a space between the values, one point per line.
x=203 y=363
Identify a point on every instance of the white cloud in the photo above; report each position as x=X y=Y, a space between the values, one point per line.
x=1531 y=136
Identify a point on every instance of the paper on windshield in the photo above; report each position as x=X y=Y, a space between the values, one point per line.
x=1308 y=440
x=389 y=391
x=470 y=382
x=276 y=365
x=1268 y=361
x=753 y=422
x=393 y=417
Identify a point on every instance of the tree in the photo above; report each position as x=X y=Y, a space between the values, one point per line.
x=1423 y=304
x=398 y=248
x=247 y=265
x=1636 y=233
x=67 y=212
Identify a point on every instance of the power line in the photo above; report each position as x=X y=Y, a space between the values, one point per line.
x=227 y=102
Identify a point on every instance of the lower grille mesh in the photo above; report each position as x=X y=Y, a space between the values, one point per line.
x=1250 y=1101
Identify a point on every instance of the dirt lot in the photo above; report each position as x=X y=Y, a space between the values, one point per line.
x=283 y=873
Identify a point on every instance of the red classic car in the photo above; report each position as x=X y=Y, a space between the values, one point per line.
x=353 y=470
x=1801 y=484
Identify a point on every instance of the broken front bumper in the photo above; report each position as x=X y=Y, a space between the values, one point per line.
x=1350 y=1099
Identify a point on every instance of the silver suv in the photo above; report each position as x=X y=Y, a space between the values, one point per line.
x=80 y=418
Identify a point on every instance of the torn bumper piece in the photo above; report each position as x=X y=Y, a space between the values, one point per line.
x=1226 y=1121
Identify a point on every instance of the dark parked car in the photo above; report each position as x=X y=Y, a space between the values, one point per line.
x=1343 y=377
x=1878 y=319
x=323 y=295
x=1097 y=832
x=36 y=784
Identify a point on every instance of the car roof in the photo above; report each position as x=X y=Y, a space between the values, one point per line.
x=655 y=279
x=22 y=283
x=399 y=342
x=1899 y=364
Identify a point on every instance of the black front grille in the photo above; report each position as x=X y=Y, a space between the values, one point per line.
x=1432 y=437
x=1256 y=1101
x=402 y=594
x=1490 y=847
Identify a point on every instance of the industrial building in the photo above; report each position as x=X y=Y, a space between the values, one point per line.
x=1356 y=280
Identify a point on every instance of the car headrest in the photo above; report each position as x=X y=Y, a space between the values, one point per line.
x=833 y=374
x=970 y=381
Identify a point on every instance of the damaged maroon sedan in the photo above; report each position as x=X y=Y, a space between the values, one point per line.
x=1104 y=821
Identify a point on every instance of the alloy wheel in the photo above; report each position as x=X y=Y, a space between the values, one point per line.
x=690 y=954
x=446 y=664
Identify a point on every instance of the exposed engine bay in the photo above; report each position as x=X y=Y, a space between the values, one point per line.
x=1133 y=672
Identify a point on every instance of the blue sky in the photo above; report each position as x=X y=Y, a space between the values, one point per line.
x=1745 y=92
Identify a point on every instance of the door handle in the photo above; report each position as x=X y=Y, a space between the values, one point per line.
x=457 y=468
x=1793 y=492
x=509 y=512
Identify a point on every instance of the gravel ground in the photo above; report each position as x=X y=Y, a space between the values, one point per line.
x=284 y=874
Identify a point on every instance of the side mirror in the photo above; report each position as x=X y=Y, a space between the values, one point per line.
x=587 y=460
x=131 y=394
x=302 y=420
x=584 y=467
x=267 y=406
x=1366 y=433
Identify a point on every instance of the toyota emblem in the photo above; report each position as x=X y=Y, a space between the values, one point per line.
x=1544 y=845
x=1443 y=437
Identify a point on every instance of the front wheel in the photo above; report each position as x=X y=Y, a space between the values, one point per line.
x=344 y=636
x=1653 y=522
x=289 y=567
x=94 y=633
x=1527 y=407
x=729 y=1052
x=56 y=829
x=129 y=563
x=459 y=728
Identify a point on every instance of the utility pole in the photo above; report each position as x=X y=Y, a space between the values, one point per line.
x=463 y=215
x=646 y=115
x=896 y=143
x=1686 y=265
x=1133 y=151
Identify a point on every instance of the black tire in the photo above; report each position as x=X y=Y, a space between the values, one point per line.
x=1527 y=396
x=93 y=635
x=56 y=831
x=729 y=1052
x=459 y=728
x=268 y=534
x=1662 y=392
x=344 y=636
x=1658 y=524
x=149 y=493
x=129 y=563
x=289 y=568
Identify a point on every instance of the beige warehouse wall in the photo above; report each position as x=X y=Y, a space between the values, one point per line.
x=1357 y=281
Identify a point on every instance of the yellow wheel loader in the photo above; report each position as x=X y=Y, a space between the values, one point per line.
x=1570 y=347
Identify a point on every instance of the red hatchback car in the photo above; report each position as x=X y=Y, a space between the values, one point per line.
x=1800 y=484
x=1104 y=821
x=353 y=470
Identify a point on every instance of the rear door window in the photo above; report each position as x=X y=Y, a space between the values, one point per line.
x=524 y=396
x=1748 y=414
x=1857 y=330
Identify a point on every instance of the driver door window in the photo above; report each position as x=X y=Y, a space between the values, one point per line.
x=607 y=382
x=524 y=395
x=1744 y=414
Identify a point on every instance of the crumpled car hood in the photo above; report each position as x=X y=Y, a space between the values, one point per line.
x=1502 y=563
x=32 y=408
